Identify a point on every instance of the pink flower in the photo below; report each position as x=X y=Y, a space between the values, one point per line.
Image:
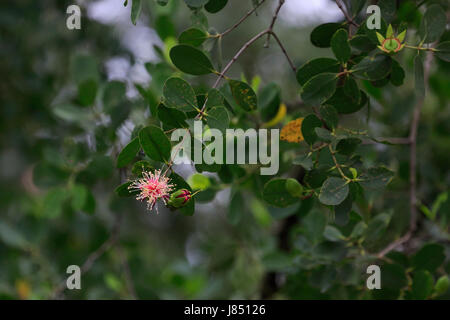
x=152 y=187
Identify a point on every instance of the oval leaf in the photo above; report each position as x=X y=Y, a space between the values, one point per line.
x=319 y=88
x=190 y=60
x=155 y=143
x=179 y=94
x=334 y=191
x=243 y=94
x=128 y=153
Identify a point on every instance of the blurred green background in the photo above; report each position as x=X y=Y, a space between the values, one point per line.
x=59 y=141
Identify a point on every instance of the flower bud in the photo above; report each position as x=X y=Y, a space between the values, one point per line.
x=391 y=43
x=179 y=198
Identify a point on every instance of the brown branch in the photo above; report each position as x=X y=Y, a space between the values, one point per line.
x=235 y=57
x=412 y=168
x=248 y=14
x=272 y=23
x=347 y=16
x=284 y=51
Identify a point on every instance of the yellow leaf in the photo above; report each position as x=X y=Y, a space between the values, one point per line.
x=278 y=117
x=292 y=131
x=23 y=289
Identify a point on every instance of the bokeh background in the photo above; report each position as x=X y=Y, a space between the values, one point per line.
x=57 y=155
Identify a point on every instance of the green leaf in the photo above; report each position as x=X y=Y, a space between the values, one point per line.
x=345 y=103
x=334 y=191
x=319 y=88
x=358 y=230
x=321 y=35
x=362 y=43
x=333 y=234
x=180 y=95
x=123 y=191
x=422 y=285
x=340 y=46
x=193 y=37
x=136 y=8
x=190 y=60
x=341 y=211
x=348 y=146
x=155 y=143
x=376 y=178
x=397 y=74
x=243 y=94
x=195 y=3
x=171 y=117
x=442 y=285
x=419 y=77
x=198 y=181
x=308 y=128
x=373 y=67
x=164 y=27
x=315 y=67
x=128 y=153
x=189 y=208
x=393 y=276
x=443 y=51
x=214 y=6
x=351 y=90
x=429 y=257
x=276 y=194
x=218 y=118
x=294 y=187
x=433 y=24
x=329 y=115
x=305 y=161
x=316 y=177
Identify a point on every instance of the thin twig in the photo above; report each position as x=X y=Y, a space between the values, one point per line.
x=236 y=56
x=274 y=19
x=347 y=16
x=412 y=168
x=248 y=14
x=284 y=51
x=337 y=165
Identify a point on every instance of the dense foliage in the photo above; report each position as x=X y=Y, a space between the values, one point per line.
x=363 y=175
